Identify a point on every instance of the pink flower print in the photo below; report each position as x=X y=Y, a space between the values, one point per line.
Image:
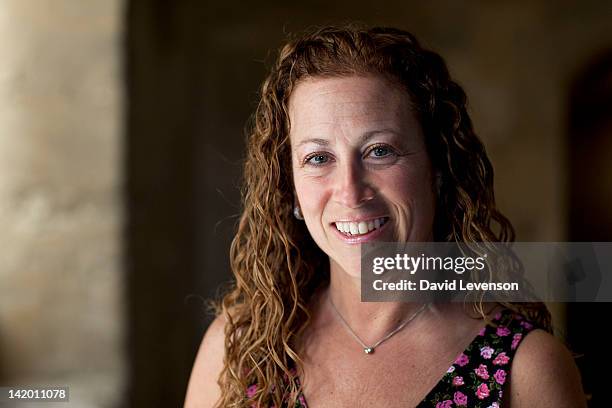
x=502 y=331
x=486 y=352
x=482 y=331
x=450 y=369
x=482 y=391
x=460 y=399
x=302 y=400
x=462 y=360
x=458 y=380
x=501 y=359
x=515 y=340
x=500 y=376
x=251 y=390
x=494 y=405
x=527 y=325
x=500 y=394
x=445 y=404
x=482 y=372
x=497 y=316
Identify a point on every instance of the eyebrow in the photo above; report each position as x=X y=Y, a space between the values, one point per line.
x=364 y=138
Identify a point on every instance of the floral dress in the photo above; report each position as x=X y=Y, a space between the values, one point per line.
x=477 y=377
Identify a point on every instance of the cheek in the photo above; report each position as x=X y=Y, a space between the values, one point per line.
x=411 y=197
x=312 y=195
x=407 y=184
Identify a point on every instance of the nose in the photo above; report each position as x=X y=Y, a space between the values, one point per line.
x=352 y=185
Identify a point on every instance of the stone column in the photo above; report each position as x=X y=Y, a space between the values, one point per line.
x=61 y=293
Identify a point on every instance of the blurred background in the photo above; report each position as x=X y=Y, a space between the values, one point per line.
x=121 y=136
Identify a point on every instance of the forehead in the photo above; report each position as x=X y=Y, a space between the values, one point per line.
x=327 y=104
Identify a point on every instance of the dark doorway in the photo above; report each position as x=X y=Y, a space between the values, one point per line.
x=590 y=211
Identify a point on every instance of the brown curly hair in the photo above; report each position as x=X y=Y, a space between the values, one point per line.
x=273 y=257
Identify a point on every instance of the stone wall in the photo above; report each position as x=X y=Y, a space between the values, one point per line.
x=61 y=300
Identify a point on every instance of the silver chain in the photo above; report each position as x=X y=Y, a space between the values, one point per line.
x=370 y=349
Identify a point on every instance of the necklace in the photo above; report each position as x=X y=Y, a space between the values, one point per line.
x=370 y=349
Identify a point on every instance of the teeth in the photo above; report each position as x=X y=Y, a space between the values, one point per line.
x=359 y=228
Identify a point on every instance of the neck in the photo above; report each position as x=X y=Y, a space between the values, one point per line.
x=369 y=320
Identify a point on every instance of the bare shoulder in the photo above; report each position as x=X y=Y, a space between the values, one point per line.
x=203 y=390
x=544 y=374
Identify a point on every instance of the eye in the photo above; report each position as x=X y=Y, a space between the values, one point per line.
x=317 y=159
x=381 y=151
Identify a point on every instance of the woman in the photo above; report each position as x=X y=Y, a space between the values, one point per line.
x=361 y=135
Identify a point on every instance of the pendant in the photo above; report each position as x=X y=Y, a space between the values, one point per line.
x=368 y=350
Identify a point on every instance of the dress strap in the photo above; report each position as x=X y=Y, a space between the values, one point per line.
x=478 y=375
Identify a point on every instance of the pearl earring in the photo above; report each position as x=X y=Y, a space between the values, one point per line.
x=297 y=213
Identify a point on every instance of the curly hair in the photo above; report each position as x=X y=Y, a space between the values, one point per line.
x=273 y=257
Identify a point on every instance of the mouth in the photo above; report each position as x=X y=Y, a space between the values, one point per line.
x=358 y=229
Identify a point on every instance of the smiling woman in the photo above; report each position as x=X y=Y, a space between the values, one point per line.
x=361 y=135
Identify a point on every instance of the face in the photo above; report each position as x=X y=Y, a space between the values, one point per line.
x=360 y=166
